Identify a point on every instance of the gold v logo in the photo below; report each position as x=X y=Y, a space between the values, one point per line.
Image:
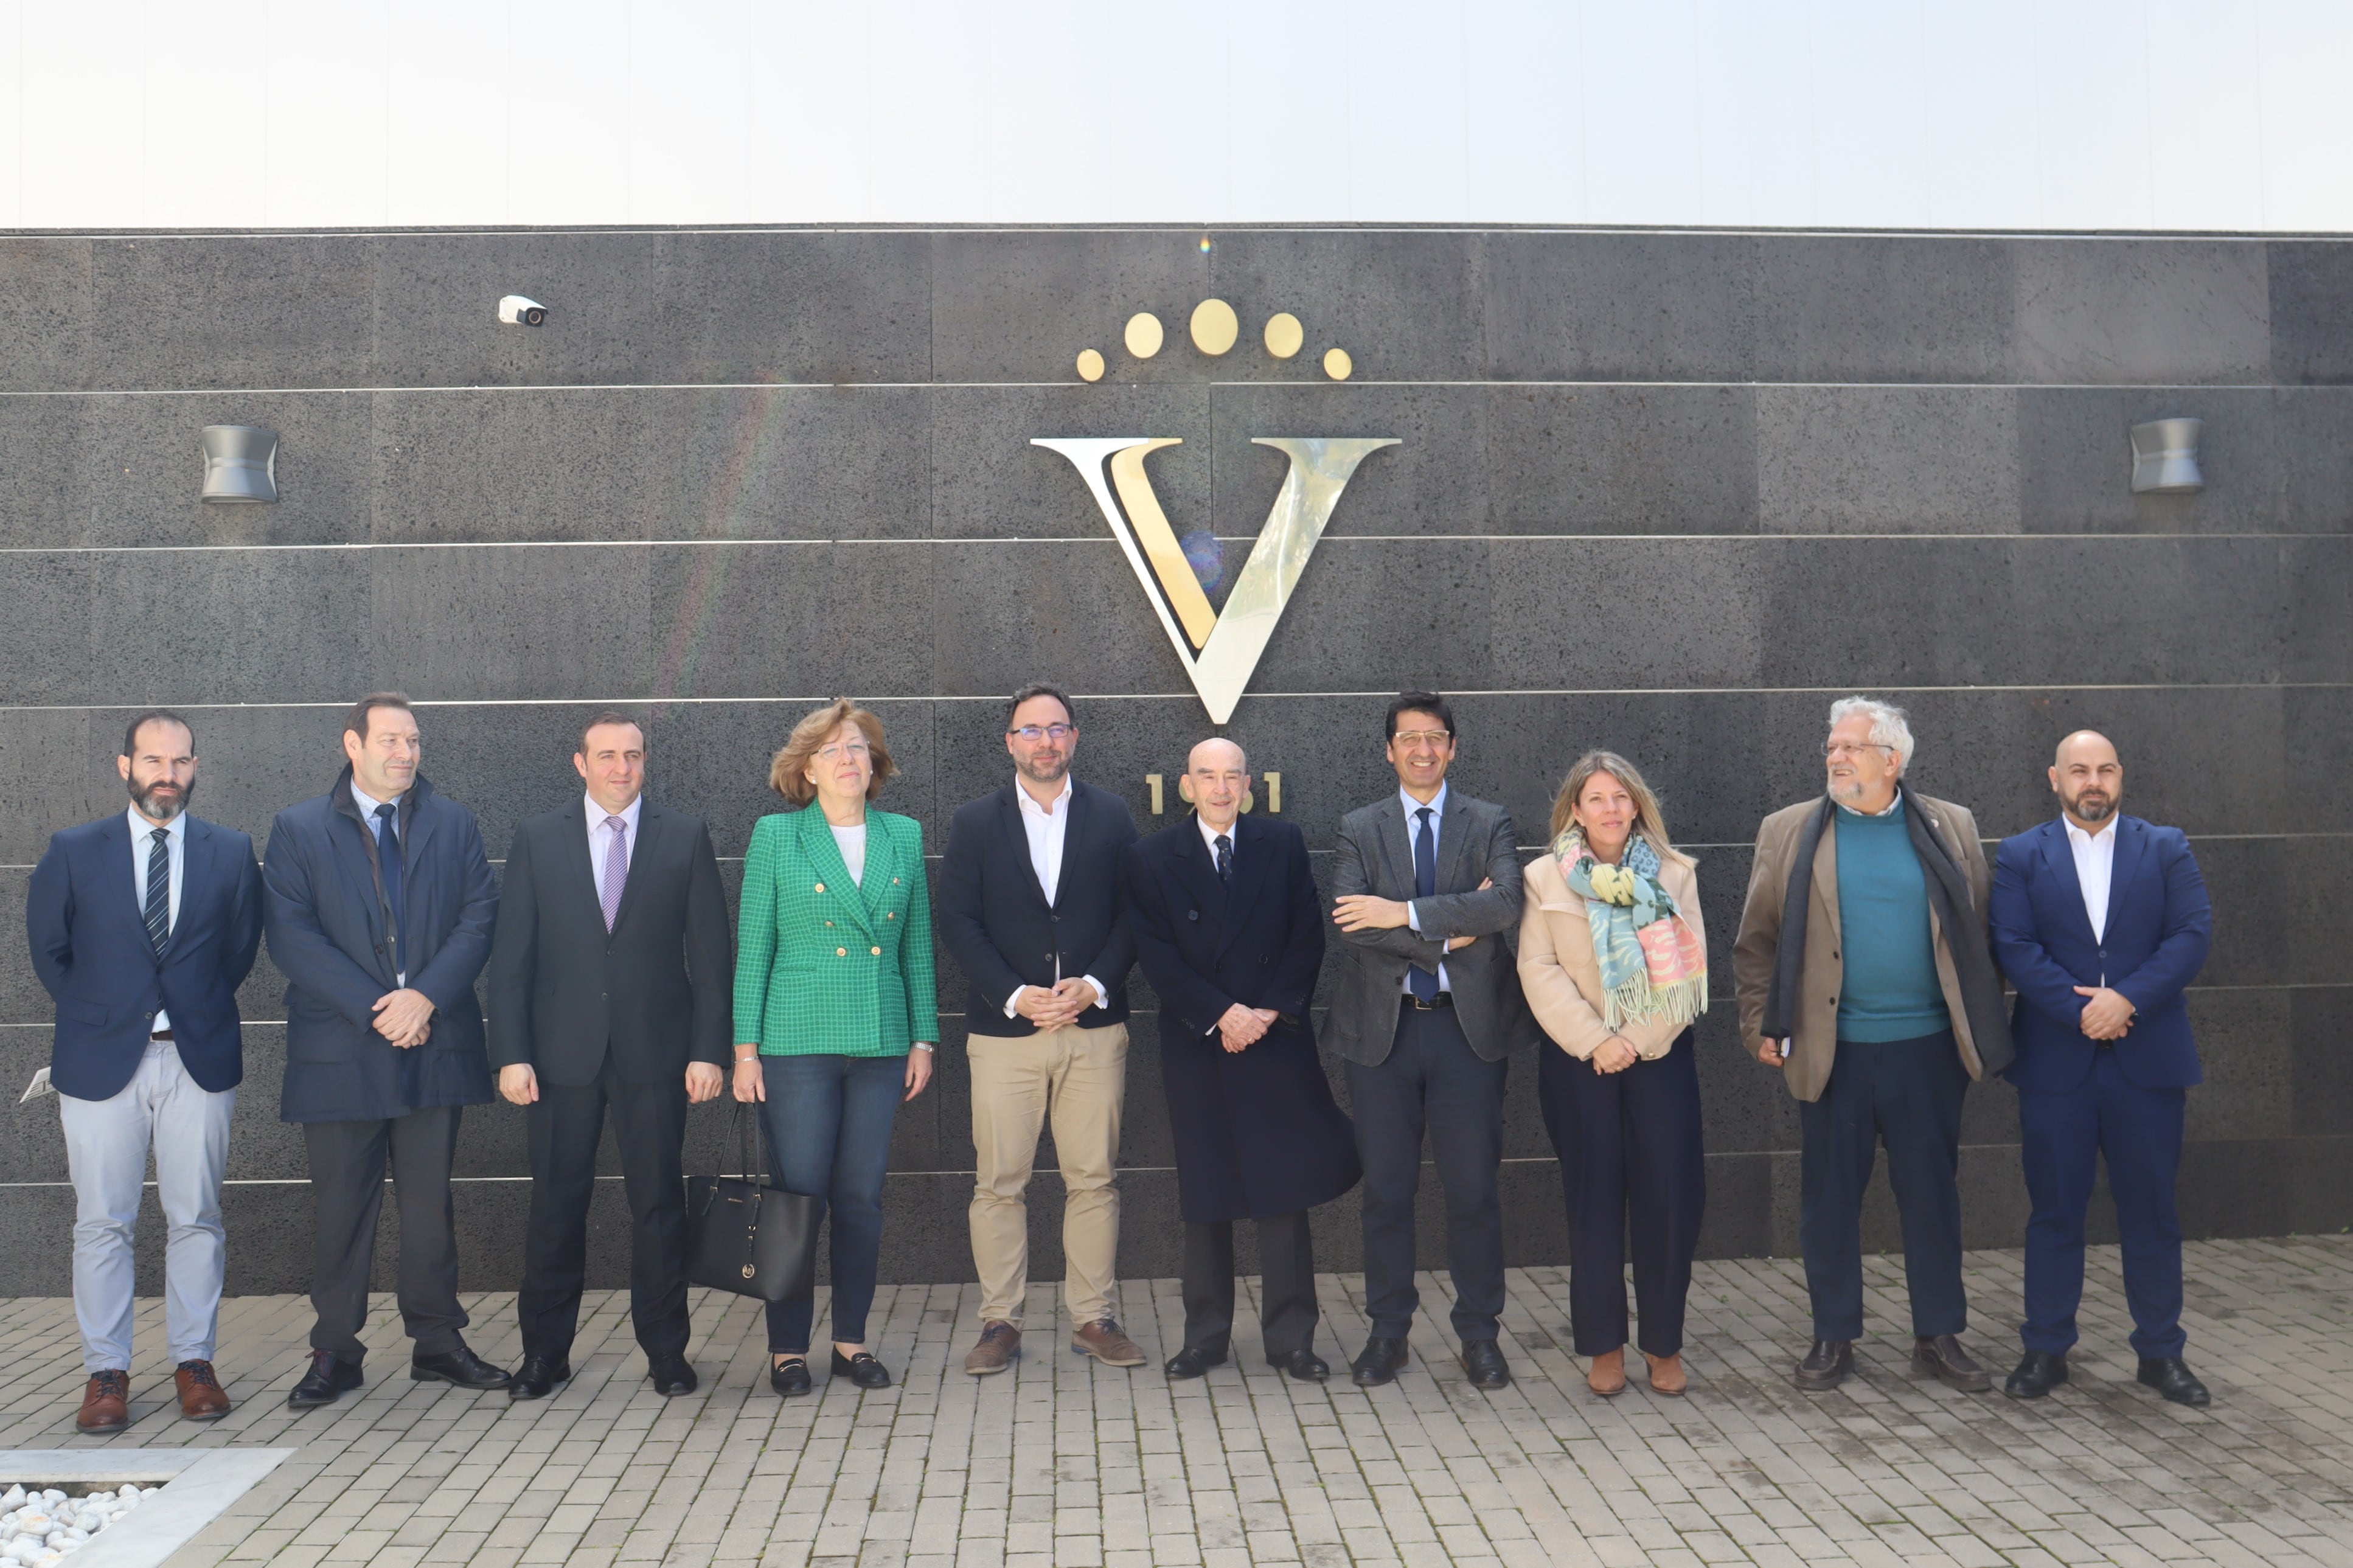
x=1220 y=651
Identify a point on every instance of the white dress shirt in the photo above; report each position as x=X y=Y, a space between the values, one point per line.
x=1046 y=827
x=367 y=804
x=176 y=853
x=1436 y=809
x=600 y=839
x=2096 y=865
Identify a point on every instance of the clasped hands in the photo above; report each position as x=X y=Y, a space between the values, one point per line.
x=405 y=1018
x=1062 y=1004
x=1363 y=911
x=1242 y=1028
x=2107 y=1016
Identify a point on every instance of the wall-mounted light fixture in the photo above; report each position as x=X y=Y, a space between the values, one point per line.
x=2165 y=458
x=241 y=463
x=517 y=311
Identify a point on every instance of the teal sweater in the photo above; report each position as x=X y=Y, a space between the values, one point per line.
x=1890 y=991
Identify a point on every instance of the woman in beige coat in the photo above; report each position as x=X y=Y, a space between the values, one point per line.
x=1614 y=962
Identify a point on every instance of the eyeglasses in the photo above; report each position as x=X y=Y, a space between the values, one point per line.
x=835 y=752
x=1419 y=738
x=1033 y=733
x=1837 y=749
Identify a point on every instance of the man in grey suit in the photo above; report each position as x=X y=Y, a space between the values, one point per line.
x=1426 y=1013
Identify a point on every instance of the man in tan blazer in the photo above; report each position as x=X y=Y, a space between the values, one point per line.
x=1865 y=975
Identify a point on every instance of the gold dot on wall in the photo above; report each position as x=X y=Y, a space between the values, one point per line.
x=1091 y=366
x=1144 y=334
x=1337 y=364
x=1215 y=326
x=1285 y=335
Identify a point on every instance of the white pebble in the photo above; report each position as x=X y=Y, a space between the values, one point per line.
x=12 y=1498
x=53 y=1495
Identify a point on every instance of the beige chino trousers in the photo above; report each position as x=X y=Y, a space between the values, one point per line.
x=1077 y=1078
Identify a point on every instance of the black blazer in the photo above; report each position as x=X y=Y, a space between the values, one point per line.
x=1256 y=1131
x=993 y=915
x=88 y=936
x=658 y=991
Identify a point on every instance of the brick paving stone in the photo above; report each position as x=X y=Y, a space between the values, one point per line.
x=1064 y=1463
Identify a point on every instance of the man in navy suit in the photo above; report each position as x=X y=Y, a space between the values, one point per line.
x=380 y=906
x=2101 y=920
x=1229 y=931
x=143 y=927
x=1029 y=904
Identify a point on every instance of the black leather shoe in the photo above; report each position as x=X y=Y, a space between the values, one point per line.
x=327 y=1381
x=1483 y=1359
x=2174 y=1381
x=1305 y=1365
x=1943 y=1358
x=791 y=1378
x=671 y=1375
x=2039 y=1371
x=862 y=1369
x=1382 y=1359
x=1193 y=1360
x=461 y=1366
x=1827 y=1365
x=538 y=1376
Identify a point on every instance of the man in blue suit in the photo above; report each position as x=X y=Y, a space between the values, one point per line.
x=2101 y=920
x=380 y=906
x=143 y=926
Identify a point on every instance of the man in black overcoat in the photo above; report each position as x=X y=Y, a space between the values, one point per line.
x=611 y=994
x=1229 y=929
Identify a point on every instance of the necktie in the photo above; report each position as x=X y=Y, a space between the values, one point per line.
x=1225 y=858
x=387 y=859
x=159 y=891
x=1423 y=983
x=617 y=871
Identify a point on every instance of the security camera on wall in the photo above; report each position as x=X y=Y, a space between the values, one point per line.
x=517 y=311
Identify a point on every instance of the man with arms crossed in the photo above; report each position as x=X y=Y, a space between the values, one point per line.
x=380 y=905
x=1426 y=1015
x=611 y=990
x=143 y=926
x=2101 y=920
x=1030 y=905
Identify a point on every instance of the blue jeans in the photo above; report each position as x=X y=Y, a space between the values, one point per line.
x=828 y=1120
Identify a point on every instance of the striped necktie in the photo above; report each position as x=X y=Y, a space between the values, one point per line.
x=159 y=891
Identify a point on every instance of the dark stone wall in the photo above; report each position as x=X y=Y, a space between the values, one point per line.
x=1669 y=493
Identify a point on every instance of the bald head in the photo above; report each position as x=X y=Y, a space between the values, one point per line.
x=1218 y=775
x=2088 y=779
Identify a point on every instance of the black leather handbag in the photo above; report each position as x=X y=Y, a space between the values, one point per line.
x=747 y=1237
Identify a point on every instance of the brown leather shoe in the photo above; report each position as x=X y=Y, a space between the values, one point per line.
x=1000 y=1342
x=1666 y=1374
x=1103 y=1340
x=201 y=1398
x=106 y=1403
x=1607 y=1375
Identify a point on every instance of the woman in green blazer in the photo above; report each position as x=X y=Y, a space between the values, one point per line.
x=836 y=1008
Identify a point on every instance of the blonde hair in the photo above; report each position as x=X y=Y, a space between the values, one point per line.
x=788 y=769
x=1649 y=820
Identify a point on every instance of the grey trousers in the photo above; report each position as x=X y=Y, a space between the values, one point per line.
x=106 y=1150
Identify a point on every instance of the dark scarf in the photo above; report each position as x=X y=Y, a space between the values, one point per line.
x=1948 y=897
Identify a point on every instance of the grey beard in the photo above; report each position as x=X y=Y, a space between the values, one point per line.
x=2099 y=811
x=158 y=811
x=1062 y=770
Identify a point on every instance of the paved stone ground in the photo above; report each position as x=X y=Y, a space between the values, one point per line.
x=1066 y=1463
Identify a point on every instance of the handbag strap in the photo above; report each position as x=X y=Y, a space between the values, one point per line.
x=746 y=1141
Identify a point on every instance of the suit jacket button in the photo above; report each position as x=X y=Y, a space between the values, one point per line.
x=1192 y=914
x=890 y=915
x=841 y=952
x=820 y=888
x=877 y=953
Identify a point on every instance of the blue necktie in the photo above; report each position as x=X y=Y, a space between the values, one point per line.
x=387 y=859
x=1225 y=858
x=1425 y=885
x=159 y=891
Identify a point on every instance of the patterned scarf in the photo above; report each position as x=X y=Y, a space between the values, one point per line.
x=1654 y=963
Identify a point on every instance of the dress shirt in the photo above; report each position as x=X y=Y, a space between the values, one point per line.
x=600 y=836
x=1209 y=836
x=176 y=853
x=2096 y=865
x=1046 y=827
x=367 y=804
x=1436 y=809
